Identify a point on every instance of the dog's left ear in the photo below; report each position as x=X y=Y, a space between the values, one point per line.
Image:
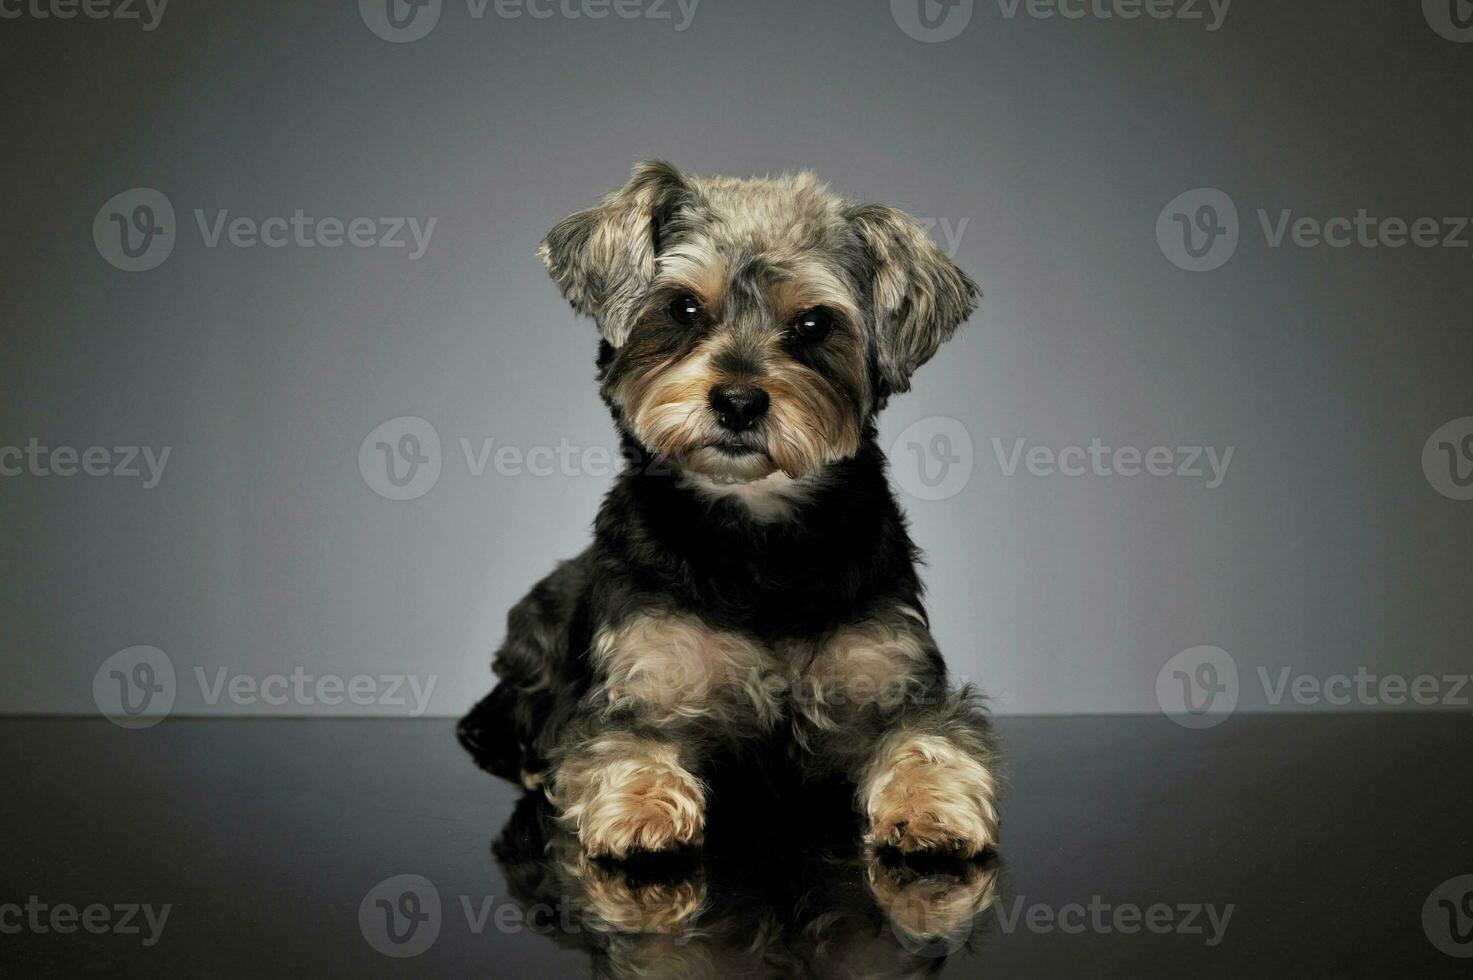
x=920 y=296
x=604 y=258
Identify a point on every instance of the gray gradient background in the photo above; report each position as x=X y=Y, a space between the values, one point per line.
x=1059 y=142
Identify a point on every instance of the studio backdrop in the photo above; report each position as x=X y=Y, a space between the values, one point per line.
x=291 y=414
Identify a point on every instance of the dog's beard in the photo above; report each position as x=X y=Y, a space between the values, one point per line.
x=804 y=430
x=731 y=460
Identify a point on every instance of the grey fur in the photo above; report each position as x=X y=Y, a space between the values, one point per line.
x=911 y=296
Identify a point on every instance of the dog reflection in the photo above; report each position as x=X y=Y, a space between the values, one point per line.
x=791 y=906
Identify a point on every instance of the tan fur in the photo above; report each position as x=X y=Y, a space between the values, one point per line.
x=675 y=666
x=922 y=792
x=925 y=909
x=611 y=902
x=695 y=266
x=667 y=406
x=864 y=665
x=622 y=793
x=807 y=429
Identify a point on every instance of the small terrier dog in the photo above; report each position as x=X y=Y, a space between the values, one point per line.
x=750 y=597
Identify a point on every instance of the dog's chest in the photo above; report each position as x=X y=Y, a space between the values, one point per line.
x=670 y=666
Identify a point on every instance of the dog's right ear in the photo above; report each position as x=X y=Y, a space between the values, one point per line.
x=603 y=259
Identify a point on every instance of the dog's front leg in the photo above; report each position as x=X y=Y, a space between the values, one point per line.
x=874 y=703
x=931 y=784
x=626 y=791
x=667 y=688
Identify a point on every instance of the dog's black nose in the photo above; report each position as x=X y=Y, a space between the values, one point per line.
x=738 y=407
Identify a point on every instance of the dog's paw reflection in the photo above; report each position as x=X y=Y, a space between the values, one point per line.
x=656 y=894
x=798 y=905
x=932 y=904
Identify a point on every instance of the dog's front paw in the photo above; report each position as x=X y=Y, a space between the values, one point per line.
x=925 y=793
x=652 y=811
x=631 y=796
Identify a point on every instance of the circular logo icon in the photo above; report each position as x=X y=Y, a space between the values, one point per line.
x=1447 y=916
x=1452 y=19
x=1447 y=459
x=1198 y=688
x=400 y=21
x=135 y=230
x=135 y=688
x=400 y=916
x=932 y=459
x=400 y=459
x=932 y=21
x=1198 y=230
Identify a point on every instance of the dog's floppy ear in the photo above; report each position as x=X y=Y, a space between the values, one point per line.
x=604 y=258
x=920 y=296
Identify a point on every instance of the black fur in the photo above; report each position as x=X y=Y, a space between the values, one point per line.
x=794 y=579
x=839 y=559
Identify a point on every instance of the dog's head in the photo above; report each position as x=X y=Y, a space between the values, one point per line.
x=753 y=325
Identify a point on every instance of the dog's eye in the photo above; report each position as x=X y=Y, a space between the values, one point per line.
x=813 y=325
x=685 y=310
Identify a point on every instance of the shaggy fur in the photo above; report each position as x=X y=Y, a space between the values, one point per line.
x=751 y=591
x=759 y=900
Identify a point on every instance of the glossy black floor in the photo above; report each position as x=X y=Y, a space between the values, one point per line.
x=1309 y=845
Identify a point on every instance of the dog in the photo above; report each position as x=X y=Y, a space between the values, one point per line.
x=750 y=598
